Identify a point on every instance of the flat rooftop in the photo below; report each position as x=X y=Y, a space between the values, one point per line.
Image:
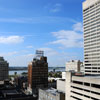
x=52 y=91
x=89 y=76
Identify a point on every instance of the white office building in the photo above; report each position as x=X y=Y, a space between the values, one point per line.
x=91 y=22
x=87 y=87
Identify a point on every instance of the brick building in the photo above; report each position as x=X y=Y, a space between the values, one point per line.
x=38 y=74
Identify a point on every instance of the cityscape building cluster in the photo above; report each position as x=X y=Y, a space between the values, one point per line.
x=80 y=81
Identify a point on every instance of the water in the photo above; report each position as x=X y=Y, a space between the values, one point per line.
x=18 y=72
x=62 y=69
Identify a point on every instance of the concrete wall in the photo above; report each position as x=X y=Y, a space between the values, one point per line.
x=61 y=85
x=67 y=86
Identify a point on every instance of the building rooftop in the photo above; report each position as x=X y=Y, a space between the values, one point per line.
x=88 y=3
x=52 y=91
x=88 y=76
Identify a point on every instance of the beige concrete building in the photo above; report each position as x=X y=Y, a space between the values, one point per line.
x=51 y=94
x=61 y=85
x=74 y=65
x=91 y=22
x=3 y=69
x=82 y=87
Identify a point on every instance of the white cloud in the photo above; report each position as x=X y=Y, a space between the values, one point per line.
x=29 y=47
x=69 y=38
x=11 y=39
x=78 y=27
x=28 y=55
x=37 y=19
x=56 y=8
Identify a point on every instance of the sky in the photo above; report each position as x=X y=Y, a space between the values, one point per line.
x=54 y=26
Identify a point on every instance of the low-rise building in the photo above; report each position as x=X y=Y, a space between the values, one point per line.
x=9 y=92
x=51 y=94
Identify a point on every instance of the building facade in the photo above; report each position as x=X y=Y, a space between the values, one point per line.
x=74 y=65
x=38 y=74
x=51 y=94
x=91 y=22
x=4 y=69
x=82 y=87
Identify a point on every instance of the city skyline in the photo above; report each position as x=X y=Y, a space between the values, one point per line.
x=52 y=26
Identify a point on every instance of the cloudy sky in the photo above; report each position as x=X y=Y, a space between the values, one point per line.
x=54 y=26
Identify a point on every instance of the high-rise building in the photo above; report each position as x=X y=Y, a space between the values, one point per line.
x=87 y=87
x=38 y=73
x=3 y=69
x=91 y=22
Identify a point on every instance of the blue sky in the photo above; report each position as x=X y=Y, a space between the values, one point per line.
x=54 y=26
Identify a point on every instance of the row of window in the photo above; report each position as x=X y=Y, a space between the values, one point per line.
x=92 y=67
x=88 y=71
x=84 y=95
x=92 y=44
x=91 y=7
x=91 y=54
x=92 y=61
x=92 y=64
x=91 y=23
x=93 y=39
x=87 y=84
x=91 y=14
x=97 y=93
x=86 y=34
x=90 y=48
x=90 y=58
x=92 y=29
x=90 y=32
